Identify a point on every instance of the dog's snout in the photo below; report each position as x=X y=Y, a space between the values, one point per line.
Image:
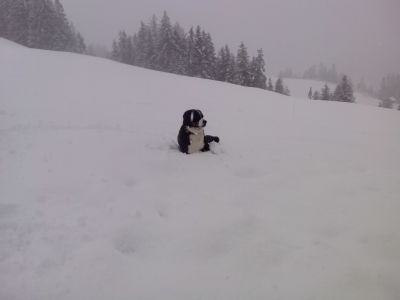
x=204 y=122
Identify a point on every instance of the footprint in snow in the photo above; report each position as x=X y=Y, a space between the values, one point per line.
x=126 y=243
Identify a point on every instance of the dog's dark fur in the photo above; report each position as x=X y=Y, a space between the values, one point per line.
x=193 y=122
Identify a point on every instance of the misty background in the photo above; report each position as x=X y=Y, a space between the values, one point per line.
x=360 y=36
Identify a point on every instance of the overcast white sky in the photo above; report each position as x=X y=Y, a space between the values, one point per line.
x=361 y=36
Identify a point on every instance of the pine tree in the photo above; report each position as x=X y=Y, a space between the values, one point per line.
x=190 y=53
x=390 y=87
x=325 y=93
x=257 y=69
x=17 y=21
x=222 y=65
x=209 y=58
x=243 y=66
x=39 y=24
x=270 y=85
x=344 y=91
x=165 y=48
x=179 y=57
x=197 y=55
x=115 y=52
x=386 y=103
x=42 y=25
x=316 y=95
x=125 y=48
x=279 y=86
x=152 y=42
x=4 y=18
x=63 y=39
x=142 y=47
x=202 y=57
x=80 y=43
x=225 y=65
x=231 y=71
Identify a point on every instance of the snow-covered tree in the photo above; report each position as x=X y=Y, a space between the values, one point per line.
x=270 y=86
x=42 y=25
x=223 y=64
x=63 y=38
x=168 y=48
x=387 y=103
x=4 y=10
x=279 y=88
x=390 y=87
x=209 y=58
x=180 y=50
x=344 y=91
x=257 y=69
x=145 y=45
x=190 y=53
x=165 y=51
x=16 y=19
x=231 y=75
x=326 y=93
x=124 y=48
x=152 y=42
x=203 y=57
x=322 y=73
x=80 y=46
x=39 y=24
x=243 y=76
x=154 y=29
x=115 y=51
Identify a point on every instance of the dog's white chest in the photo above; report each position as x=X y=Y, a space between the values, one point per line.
x=196 y=139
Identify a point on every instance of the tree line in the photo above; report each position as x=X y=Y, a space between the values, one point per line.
x=165 y=47
x=389 y=92
x=342 y=93
x=320 y=72
x=40 y=24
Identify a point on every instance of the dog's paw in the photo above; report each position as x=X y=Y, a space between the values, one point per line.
x=216 y=139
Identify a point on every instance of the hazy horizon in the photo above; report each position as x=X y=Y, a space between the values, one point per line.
x=362 y=37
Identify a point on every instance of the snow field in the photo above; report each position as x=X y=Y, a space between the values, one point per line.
x=299 y=201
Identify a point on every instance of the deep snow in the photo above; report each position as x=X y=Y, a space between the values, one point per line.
x=299 y=201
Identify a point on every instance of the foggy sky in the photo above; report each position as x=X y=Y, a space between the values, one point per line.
x=362 y=37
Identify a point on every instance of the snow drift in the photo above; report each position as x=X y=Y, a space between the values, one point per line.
x=299 y=201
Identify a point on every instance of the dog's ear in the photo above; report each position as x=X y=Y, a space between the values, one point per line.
x=186 y=117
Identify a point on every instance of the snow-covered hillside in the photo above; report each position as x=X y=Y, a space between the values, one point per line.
x=300 y=87
x=299 y=201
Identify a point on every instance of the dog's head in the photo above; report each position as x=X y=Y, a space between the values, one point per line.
x=194 y=118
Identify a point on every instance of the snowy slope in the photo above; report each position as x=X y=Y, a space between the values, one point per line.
x=299 y=88
x=299 y=201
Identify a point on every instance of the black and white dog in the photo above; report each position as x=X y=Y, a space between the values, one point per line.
x=191 y=136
